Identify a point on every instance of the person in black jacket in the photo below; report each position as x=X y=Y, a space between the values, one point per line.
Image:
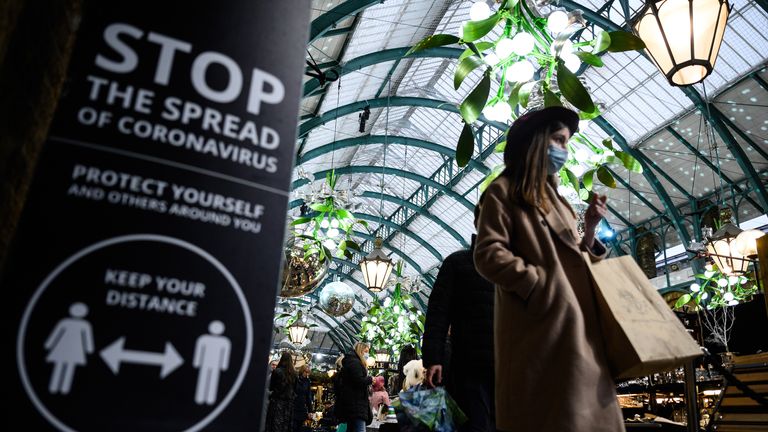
x=461 y=303
x=352 y=393
x=302 y=403
x=281 y=386
x=407 y=353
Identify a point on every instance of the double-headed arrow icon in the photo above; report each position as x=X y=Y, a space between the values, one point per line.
x=115 y=353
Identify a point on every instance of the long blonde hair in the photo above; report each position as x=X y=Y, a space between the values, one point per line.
x=360 y=347
x=526 y=166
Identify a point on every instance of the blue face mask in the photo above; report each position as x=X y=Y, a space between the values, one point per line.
x=557 y=158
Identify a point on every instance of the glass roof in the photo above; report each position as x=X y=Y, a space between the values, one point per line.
x=687 y=159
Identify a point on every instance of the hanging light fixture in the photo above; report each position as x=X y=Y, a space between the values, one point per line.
x=382 y=357
x=722 y=248
x=376 y=268
x=297 y=331
x=683 y=40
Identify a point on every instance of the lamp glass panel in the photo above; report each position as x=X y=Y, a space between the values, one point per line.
x=648 y=30
x=297 y=333
x=746 y=242
x=705 y=24
x=720 y=32
x=675 y=18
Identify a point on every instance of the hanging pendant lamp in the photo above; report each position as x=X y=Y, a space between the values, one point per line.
x=297 y=331
x=683 y=37
x=376 y=268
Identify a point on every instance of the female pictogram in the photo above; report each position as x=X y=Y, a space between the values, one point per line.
x=68 y=344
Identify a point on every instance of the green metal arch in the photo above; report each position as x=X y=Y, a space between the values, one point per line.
x=669 y=206
x=394 y=101
x=370 y=169
x=383 y=56
x=402 y=230
x=390 y=139
x=400 y=201
x=328 y=20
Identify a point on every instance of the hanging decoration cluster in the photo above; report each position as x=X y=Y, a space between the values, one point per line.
x=533 y=64
x=327 y=231
x=395 y=322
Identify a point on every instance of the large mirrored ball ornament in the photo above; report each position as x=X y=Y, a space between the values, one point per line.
x=301 y=275
x=337 y=298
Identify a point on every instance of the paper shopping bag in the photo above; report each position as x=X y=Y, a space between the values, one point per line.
x=642 y=334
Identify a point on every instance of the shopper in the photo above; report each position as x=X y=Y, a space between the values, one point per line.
x=462 y=301
x=379 y=396
x=352 y=396
x=407 y=353
x=281 y=387
x=547 y=336
x=302 y=403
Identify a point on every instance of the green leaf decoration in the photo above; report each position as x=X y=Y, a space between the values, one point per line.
x=572 y=89
x=590 y=58
x=352 y=245
x=320 y=207
x=330 y=178
x=491 y=177
x=685 y=298
x=465 y=146
x=601 y=42
x=572 y=178
x=433 y=41
x=301 y=220
x=500 y=147
x=474 y=103
x=605 y=177
x=588 y=179
x=514 y=96
x=464 y=68
x=476 y=49
x=343 y=214
x=551 y=99
x=589 y=115
x=629 y=162
x=509 y=4
x=608 y=143
x=525 y=93
x=624 y=41
x=583 y=194
x=474 y=30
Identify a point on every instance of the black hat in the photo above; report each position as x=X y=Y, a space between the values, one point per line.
x=526 y=124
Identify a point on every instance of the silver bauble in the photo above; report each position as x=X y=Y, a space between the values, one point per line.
x=337 y=298
x=301 y=275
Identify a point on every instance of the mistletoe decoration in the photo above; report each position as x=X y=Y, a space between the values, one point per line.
x=327 y=231
x=393 y=323
x=716 y=289
x=527 y=44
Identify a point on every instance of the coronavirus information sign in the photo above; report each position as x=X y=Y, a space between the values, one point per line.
x=145 y=267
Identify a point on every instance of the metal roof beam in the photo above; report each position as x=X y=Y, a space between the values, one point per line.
x=666 y=176
x=325 y=22
x=712 y=166
x=381 y=139
x=408 y=204
x=395 y=101
x=669 y=206
x=370 y=169
x=383 y=56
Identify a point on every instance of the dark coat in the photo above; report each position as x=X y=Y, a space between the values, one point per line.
x=553 y=374
x=280 y=409
x=302 y=403
x=462 y=300
x=352 y=393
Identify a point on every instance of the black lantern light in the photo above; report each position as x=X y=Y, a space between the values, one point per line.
x=683 y=37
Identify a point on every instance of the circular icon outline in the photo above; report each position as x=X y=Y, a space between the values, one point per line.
x=126 y=239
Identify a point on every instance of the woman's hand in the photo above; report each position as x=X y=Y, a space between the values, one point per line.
x=595 y=212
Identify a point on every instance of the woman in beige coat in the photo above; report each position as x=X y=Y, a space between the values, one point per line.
x=552 y=373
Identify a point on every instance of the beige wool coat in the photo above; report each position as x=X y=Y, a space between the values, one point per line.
x=551 y=370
